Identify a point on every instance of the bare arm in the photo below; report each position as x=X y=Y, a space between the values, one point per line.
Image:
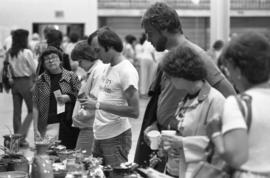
x=236 y=147
x=225 y=87
x=35 y=122
x=131 y=110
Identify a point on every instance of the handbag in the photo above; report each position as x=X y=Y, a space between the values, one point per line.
x=206 y=169
x=7 y=75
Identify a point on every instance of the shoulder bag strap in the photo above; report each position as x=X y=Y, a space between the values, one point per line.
x=247 y=99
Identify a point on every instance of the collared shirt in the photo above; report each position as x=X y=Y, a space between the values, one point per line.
x=170 y=96
x=91 y=88
x=69 y=84
x=193 y=115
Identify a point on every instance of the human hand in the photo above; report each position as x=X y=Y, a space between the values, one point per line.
x=148 y=129
x=89 y=104
x=172 y=143
x=37 y=135
x=62 y=99
x=84 y=115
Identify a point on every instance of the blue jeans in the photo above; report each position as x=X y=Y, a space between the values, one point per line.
x=114 y=151
x=85 y=140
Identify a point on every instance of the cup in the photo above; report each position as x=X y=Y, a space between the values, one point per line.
x=154 y=137
x=166 y=144
x=168 y=132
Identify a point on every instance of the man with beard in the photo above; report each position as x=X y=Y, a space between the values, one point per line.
x=164 y=31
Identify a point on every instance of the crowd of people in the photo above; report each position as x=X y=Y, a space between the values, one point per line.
x=215 y=100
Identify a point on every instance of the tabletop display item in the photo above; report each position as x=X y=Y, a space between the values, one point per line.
x=42 y=165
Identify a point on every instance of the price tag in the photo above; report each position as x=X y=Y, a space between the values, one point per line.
x=60 y=107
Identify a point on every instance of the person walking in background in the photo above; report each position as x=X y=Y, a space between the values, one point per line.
x=216 y=50
x=84 y=119
x=163 y=29
x=54 y=98
x=22 y=68
x=245 y=131
x=129 y=48
x=148 y=64
x=117 y=100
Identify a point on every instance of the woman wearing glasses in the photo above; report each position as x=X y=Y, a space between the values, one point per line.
x=54 y=98
x=185 y=69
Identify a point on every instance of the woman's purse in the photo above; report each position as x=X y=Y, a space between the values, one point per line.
x=7 y=75
x=206 y=169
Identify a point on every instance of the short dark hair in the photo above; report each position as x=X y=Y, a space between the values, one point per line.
x=74 y=37
x=54 y=38
x=91 y=36
x=184 y=62
x=108 y=38
x=218 y=44
x=250 y=52
x=82 y=51
x=162 y=17
x=130 y=39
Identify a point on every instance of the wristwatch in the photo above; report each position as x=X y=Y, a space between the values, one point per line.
x=97 y=105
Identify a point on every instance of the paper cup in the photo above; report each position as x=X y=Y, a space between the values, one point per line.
x=154 y=137
x=166 y=144
x=168 y=132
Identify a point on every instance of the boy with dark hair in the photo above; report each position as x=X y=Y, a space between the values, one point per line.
x=117 y=100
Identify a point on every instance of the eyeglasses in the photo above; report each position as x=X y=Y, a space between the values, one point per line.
x=50 y=58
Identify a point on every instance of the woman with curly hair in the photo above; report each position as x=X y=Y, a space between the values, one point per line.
x=184 y=67
x=55 y=94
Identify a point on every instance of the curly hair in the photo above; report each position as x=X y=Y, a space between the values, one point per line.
x=50 y=50
x=184 y=62
x=82 y=50
x=162 y=17
x=250 y=52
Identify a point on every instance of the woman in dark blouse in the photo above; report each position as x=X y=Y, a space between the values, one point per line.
x=55 y=94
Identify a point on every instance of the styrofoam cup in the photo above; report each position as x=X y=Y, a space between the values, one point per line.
x=154 y=137
x=166 y=143
x=168 y=132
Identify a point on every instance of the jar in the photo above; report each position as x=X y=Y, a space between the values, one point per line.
x=42 y=166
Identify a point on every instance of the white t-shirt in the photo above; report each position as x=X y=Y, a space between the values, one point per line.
x=91 y=88
x=259 y=142
x=115 y=80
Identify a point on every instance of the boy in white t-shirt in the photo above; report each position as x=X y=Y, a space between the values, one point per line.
x=117 y=100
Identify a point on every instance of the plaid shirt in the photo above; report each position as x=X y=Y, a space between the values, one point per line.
x=69 y=84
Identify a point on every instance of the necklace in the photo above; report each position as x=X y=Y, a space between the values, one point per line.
x=182 y=109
